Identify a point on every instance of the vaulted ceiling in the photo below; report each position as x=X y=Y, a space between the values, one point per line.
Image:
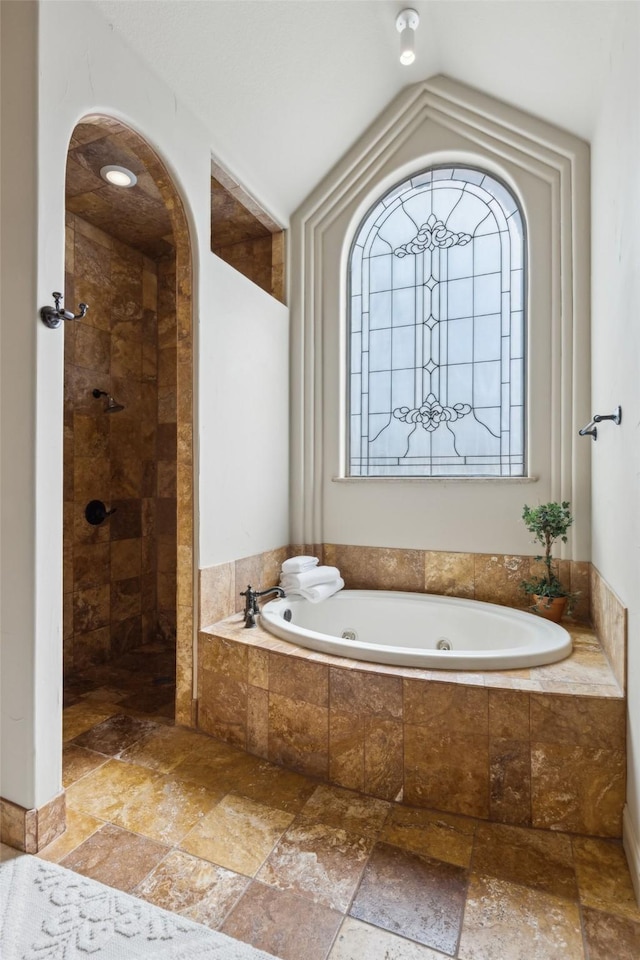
x=286 y=86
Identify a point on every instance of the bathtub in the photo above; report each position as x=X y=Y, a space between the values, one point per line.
x=418 y=630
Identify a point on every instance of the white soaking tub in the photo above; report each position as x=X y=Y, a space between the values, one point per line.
x=418 y=630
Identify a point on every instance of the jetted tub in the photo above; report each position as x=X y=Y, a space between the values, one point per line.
x=418 y=630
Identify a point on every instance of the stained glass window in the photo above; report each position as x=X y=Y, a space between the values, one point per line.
x=436 y=332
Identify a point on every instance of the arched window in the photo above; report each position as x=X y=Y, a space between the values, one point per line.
x=436 y=331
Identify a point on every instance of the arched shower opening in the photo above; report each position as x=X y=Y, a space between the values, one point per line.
x=128 y=428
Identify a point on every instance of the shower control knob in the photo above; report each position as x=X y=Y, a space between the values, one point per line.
x=96 y=512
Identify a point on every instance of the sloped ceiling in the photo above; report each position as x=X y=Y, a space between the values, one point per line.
x=286 y=86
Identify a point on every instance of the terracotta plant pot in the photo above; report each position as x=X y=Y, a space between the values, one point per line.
x=551 y=608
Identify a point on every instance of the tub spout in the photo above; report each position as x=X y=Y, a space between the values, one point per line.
x=251 y=609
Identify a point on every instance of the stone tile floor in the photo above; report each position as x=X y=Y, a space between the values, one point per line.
x=308 y=871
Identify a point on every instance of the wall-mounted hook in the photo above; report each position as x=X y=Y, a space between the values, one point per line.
x=52 y=317
x=592 y=431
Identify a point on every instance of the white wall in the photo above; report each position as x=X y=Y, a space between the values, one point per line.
x=92 y=71
x=244 y=418
x=31 y=644
x=442 y=121
x=616 y=353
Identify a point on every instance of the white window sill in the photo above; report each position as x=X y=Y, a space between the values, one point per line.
x=435 y=479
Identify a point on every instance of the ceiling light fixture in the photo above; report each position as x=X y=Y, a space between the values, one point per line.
x=118 y=176
x=406 y=24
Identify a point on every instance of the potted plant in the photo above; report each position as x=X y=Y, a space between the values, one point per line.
x=548 y=522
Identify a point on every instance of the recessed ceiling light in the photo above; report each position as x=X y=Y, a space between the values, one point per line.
x=118 y=176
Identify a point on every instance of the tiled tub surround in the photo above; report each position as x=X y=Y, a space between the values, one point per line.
x=609 y=618
x=542 y=747
x=494 y=578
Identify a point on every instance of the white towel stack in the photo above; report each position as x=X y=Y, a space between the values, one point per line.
x=302 y=577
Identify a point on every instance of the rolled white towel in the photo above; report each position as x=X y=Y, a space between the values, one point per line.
x=298 y=564
x=320 y=592
x=308 y=578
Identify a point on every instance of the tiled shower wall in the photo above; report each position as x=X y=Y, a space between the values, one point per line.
x=118 y=576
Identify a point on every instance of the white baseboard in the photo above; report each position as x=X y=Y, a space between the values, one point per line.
x=631 y=846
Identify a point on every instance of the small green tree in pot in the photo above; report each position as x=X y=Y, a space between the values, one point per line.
x=548 y=522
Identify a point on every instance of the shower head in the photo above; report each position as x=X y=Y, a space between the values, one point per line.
x=112 y=405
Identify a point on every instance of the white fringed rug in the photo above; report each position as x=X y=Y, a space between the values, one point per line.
x=50 y=913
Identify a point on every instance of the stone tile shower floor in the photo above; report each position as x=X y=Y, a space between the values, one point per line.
x=308 y=871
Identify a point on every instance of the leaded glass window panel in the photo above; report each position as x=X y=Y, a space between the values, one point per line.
x=436 y=348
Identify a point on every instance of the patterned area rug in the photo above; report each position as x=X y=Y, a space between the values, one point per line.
x=50 y=913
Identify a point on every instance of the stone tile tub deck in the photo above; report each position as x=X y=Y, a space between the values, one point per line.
x=540 y=747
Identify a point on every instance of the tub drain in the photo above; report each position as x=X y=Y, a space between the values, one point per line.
x=443 y=644
x=349 y=635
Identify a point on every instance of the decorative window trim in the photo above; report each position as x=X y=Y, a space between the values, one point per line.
x=554 y=157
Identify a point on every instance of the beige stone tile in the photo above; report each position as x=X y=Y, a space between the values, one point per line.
x=610 y=936
x=578 y=720
x=417 y=896
x=449 y=574
x=226 y=658
x=258 y=667
x=82 y=716
x=510 y=781
x=580 y=789
x=347 y=809
x=610 y=620
x=51 y=820
x=498 y=578
x=238 y=834
x=76 y=762
x=283 y=924
x=346 y=750
x=357 y=940
x=319 y=862
x=166 y=809
x=298 y=735
x=587 y=664
x=201 y=891
x=366 y=694
x=430 y=833
x=218 y=597
x=258 y=721
x=299 y=679
x=533 y=858
x=106 y=792
x=383 y=757
x=18 y=826
x=222 y=706
x=505 y=921
x=582 y=689
x=377 y=568
x=603 y=877
x=216 y=766
x=115 y=857
x=509 y=714
x=80 y=826
x=162 y=750
x=447 y=708
x=274 y=786
x=447 y=773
